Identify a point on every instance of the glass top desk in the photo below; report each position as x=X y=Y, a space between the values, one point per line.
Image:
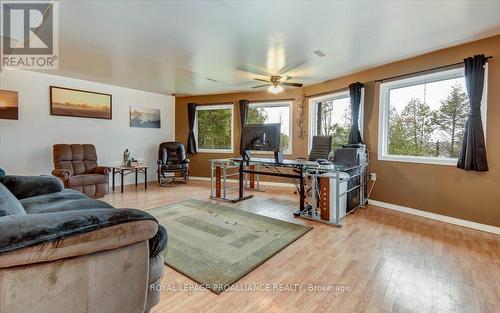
x=301 y=169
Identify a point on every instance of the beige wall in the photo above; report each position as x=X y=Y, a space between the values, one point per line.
x=435 y=188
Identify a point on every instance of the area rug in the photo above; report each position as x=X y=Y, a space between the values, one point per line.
x=216 y=245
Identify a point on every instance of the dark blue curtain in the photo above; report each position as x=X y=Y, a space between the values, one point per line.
x=243 y=119
x=191 y=144
x=355 y=94
x=473 y=153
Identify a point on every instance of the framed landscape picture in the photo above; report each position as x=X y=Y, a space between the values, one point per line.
x=9 y=103
x=80 y=103
x=145 y=117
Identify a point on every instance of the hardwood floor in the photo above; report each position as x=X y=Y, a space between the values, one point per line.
x=392 y=262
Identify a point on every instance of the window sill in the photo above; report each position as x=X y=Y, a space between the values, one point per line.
x=213 y=151
x=268 y=153
x=419 y=160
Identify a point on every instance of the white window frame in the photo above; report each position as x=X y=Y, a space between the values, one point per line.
x=313 y=110
x=214 y=107
x=277 y=104
x=383 y=132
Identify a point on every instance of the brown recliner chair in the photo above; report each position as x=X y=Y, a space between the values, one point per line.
x=76 y=166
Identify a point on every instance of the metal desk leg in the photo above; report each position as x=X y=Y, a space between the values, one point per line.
x=240 y=191
x=302 y=190
x=145 y=178
x=122 y=183
x=113 y=179
x=136 y=178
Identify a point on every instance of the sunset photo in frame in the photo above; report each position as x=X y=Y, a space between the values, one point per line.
x=9 y=105
x=80 y=103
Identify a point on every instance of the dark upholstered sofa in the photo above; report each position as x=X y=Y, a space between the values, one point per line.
x=76 y=166
x=61 y=251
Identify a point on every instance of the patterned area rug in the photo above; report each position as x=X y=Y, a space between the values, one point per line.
x=216 y=245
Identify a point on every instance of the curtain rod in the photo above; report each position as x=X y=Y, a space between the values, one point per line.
x=423 y=71
x=214 y=103
x=271 y=100
x=329 y=92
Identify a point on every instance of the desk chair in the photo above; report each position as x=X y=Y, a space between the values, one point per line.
x=321 y=150
x=172 y=160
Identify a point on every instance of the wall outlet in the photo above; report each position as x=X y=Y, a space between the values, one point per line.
x=373 y=176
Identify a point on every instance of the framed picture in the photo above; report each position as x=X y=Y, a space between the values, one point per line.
x=145 y=117
x=9 y=105
x=80 y=103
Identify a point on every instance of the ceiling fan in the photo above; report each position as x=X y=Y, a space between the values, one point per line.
x=276 y=83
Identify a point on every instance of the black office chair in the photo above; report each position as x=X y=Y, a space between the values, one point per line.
x=321 y=151
x=321 y=148
x=172 y=160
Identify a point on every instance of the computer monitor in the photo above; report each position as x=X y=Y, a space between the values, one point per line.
x=262 y=137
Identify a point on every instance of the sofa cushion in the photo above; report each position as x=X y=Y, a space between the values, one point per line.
x=66 y=200
x=30 y=186
x=86 y=179
x=66 y=194
x=66 y=205
x=9 y=205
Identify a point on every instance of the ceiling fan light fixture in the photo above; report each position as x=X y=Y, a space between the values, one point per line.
x=275 y=89
x=319 y=53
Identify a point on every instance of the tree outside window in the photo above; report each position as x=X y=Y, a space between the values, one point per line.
x=213 y=127
x=431 y=123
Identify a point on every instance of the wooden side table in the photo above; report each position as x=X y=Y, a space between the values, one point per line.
x=125 y=170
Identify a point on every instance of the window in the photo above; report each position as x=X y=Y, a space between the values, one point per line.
x=331 y=115
x=214 y=128
x=274 y=112
x=422 y=119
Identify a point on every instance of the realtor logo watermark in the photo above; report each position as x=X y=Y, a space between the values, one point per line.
x=29 y=33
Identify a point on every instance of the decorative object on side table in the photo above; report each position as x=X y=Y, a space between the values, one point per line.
x=80 y=103
x=9 y=105
x=145 y=117
x=126 y=158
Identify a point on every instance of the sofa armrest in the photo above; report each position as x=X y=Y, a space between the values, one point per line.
x=62 y=173
x=30 y=186
x=101 y=170
x=34 y=238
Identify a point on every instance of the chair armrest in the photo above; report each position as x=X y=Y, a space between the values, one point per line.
x=185 y=161
x=62 y=173
x=30 y=186
x=34 y=238
x=101 y=170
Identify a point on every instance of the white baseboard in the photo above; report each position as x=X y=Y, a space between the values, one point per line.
x=263 y=183
x=437 y=217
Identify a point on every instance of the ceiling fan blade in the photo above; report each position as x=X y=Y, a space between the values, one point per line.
x=292 y=84
x=284 y=78
x=287 y=68
x=260 y=86
x=262 y=80
x=252 y=70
